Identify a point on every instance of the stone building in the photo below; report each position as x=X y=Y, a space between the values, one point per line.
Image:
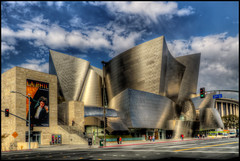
x=15 y=80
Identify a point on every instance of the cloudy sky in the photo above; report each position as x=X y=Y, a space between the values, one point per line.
x=97 y=31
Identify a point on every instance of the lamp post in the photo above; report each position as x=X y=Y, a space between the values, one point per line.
x=104 y=102
x=29 y=120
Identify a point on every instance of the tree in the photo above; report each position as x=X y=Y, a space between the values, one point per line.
x=231 y=121
x=4 y=136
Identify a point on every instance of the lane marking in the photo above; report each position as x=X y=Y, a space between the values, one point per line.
x=221 y=152
x=205 y=146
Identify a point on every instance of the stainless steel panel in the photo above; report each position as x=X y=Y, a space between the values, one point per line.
x=137 y=68
x=173 y=77
x=190 y=77
x=98 y=111
x=138 y=109
x=92 y=91
x=209 y=116
x=71 y=73
x=77 y=79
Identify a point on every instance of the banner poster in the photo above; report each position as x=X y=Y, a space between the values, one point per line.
x=39 y=104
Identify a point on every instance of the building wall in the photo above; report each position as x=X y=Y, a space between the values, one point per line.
x=15 y=80
x=190 y=77
x=138 y=68
x=78 y=80
x=224 y=105
x=138 y=109
x=8 y=100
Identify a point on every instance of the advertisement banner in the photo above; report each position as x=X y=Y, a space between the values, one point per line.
x=39 y=104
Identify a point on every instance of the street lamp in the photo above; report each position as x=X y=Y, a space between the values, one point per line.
x=104 y=101
x=29 y=120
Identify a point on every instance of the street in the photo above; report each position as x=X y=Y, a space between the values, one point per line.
x=187 y=149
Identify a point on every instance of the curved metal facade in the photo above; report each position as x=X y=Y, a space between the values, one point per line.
x=146 y=88
x=98 y=111
x=137 y=68
x=77 y=79
x=92 y=92
x=138 y=109
x=190 y=77
x=209 y=116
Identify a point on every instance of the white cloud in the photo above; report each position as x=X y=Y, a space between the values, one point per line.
x=148 y=10
x=39 y=65
x=185 y=11
x=219 y=68
x=38 y=30
x=59 y=4
x=5 y=48
x=75 y=21
x=121 y=43
x=22 y=3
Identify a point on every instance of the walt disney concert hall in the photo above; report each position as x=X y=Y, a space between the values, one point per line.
x=145 y=91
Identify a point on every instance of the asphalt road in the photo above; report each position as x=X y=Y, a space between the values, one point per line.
x=217 y=149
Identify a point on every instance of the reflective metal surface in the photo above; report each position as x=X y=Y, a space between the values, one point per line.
x=98 y=111
x=139 y=109
x=174 y=75
x=70 y=78
x=190 y=77
x=138 y=68
x=77 y=79
x=92 y=94
x=146 y=88
x=209 y=116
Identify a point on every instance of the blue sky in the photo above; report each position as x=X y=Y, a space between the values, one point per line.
x=97 y=31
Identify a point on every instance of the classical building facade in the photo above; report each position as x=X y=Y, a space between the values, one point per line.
x=227 y=107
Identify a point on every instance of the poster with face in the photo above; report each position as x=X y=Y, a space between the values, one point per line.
x=39 y=104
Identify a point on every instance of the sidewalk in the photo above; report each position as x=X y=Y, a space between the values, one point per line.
x=110 y=144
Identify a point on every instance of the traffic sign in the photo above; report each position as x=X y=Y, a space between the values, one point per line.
x=217 y=96
x=15 y=134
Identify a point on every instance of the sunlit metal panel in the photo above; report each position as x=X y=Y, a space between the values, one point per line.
x=190 y=77
x=71 y=73
x=209 y=116
x=138 y=109
x=137 y=68
x=98 y=111
x=92 y=92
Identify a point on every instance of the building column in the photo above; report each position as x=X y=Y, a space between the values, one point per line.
x=237 y=109
x=227 y=104
x=231 y=109
x=221 y=109
x=234 y=113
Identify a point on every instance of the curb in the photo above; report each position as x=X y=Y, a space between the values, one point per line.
x=155 y=142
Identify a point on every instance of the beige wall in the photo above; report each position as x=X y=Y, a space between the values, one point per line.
x=233 y=103
x=15 y=80
x=8 y=100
